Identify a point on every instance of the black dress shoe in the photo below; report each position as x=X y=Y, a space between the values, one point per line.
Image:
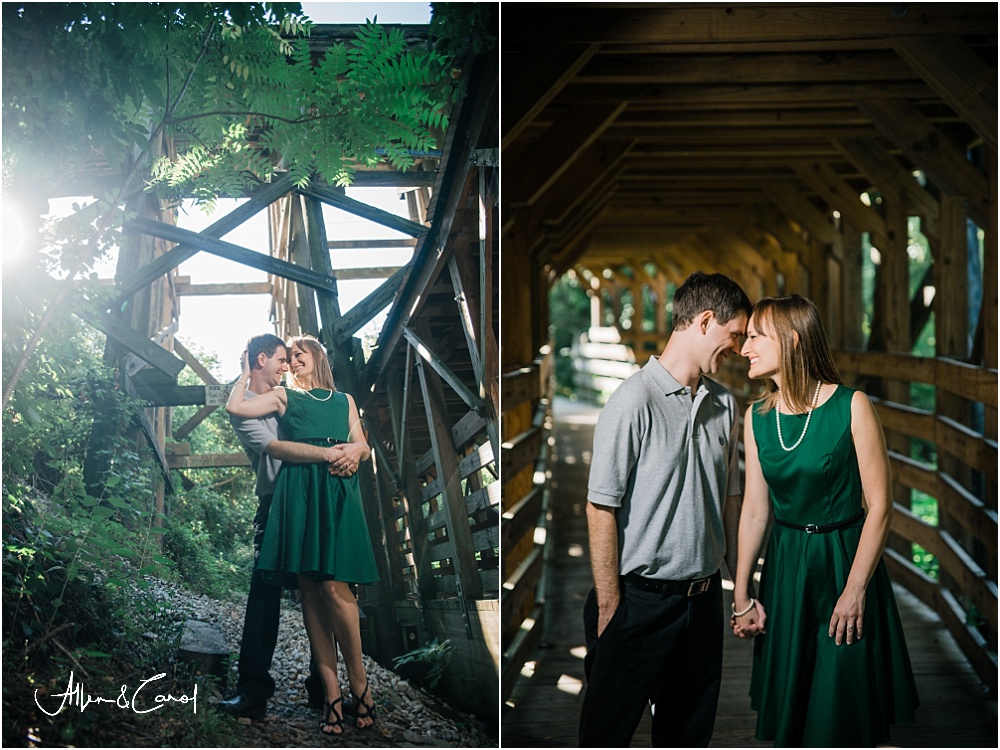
x=240 y=705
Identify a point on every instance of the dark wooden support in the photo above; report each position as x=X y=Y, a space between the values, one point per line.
x=355 y=318
x=893 y=181
x=235 y=253
x=299 y=254
x=466 y=570
x=200 y=416
x=540 y=80
x=951 y=333
x=558 y=147
x=261 y=199
x=441 y=368
x=130 y=339
x=412 y=506
x=929 y=149
x=468 y=300
x=192 y=361
x=453 y=186
x=959 y=76
x=332 y=197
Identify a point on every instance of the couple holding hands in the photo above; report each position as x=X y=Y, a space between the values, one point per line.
x=830 y=665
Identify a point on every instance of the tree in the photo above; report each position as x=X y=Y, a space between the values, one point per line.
x=197 y=99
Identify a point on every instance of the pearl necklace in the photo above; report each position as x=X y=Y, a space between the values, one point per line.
x=329 y=396
x=777 y=418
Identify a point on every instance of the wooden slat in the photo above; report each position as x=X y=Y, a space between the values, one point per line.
x=520 y=452
x=208 y=461
x=518 y=386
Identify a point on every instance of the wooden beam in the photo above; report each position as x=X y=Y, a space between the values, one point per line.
x=447 y=467
x=753 y=69
x=449 y=193
x=192 y=361
x=473 y=401
x=797 y=206
x=927 y=147
x=234 y=252
x=558 y=147
x=332 y=197
x=188 y=427
x=537 y=83
x=259 y=200
x=208 y=461
x=842 y=197
x=129 y=338
x=208 y=290
x=959 y=76
x=662 y=24
x=368 y=244
x=351 y=322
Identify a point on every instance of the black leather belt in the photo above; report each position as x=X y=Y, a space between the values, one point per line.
x=822 y=528
x=685 y=588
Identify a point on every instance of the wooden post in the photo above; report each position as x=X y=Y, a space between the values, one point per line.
x=398 y=407
x=951 y=333
x=446 y=460
x=389 y=641
x=893 y=293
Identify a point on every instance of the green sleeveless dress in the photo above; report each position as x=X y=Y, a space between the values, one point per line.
x=808 y=691
x=316 y=525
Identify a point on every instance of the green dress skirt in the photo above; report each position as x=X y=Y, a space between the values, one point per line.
x=808 y=691
x=316 y=525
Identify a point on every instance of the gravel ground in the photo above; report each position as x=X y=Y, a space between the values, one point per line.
x=407 y=715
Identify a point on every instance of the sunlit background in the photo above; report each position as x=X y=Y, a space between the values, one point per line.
x=222 y=324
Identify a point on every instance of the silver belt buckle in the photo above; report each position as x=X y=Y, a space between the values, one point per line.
x=812 y=528
x=699 y=587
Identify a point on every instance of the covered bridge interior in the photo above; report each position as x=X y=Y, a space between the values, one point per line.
x=799 y=149
x=425 y=393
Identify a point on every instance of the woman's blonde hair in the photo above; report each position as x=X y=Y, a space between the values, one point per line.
x=804 y=354
x=322 y=376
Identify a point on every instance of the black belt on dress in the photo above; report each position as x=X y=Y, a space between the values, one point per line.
x=687 y=588
x=321 y=441
x=822 y=528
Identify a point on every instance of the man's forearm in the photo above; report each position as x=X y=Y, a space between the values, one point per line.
x=602 y=533
x=297 y=453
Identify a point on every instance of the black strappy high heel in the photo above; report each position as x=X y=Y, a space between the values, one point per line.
x=338 y=722
x=361 y=709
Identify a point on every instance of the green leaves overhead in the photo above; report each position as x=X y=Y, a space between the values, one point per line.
x=207 y=99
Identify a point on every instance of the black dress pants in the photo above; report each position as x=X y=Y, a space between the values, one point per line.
x=659 y=650
x=260 y=625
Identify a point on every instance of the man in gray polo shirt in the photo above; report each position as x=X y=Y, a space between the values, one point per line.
x=664 y=497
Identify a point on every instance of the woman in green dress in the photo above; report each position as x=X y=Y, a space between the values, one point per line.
x=830 y=666
x=316 y=537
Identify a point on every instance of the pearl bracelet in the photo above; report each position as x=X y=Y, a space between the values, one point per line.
x=752 y=605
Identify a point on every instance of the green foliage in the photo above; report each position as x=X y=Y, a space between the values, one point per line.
x=232 y=85
x=427 y=663
x=569 y=316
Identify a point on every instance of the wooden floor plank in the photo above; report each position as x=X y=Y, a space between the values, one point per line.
x=544 y=707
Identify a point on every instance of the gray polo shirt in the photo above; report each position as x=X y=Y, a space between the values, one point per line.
x=254 y=435
x=667 y=463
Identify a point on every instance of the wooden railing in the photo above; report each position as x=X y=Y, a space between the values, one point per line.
x=966 y=495
x=526 y=397
x=964 y=593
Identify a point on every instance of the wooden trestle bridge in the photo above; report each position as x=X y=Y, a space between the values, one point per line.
x=428 y=393
x=798 y=149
